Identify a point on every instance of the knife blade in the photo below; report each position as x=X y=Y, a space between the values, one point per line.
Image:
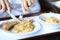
x=12 y=16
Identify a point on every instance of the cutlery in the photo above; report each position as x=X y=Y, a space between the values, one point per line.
x=21 y=16
x=12 y=16
x=23 y=13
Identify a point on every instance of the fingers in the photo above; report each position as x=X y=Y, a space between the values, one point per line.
x=32 y=1
x=8 y=6
x=0 y=6
x=24 y=6
x=23 y=9
x=3 y=6
x=29 y=2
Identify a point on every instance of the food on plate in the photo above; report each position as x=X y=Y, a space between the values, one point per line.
x=52 y=19
x=8 y=25
x=22 y=27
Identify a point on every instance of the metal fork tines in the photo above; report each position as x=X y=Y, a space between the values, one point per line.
x=21 y=16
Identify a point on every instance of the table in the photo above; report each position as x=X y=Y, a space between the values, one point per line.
x=44 y=9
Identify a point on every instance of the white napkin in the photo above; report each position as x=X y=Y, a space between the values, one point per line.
x=16 y=8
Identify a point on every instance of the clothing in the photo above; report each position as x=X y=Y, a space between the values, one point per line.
x=16 y=8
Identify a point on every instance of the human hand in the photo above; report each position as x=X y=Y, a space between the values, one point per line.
x=4 y=5
x=25 y=4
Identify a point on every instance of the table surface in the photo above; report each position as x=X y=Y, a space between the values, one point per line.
x=39 y=36
x=34 y=14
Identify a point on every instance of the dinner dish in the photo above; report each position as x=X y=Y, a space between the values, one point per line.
x=49 y=25
x=20 y=27
x=35 y=29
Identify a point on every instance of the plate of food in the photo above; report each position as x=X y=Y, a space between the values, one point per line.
x=50 y=21
x=25 y=27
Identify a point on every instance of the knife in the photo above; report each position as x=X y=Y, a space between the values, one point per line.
x=12 y=16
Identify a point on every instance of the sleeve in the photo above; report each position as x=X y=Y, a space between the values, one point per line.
x=16 y=8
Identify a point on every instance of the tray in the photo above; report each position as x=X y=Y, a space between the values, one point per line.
x=42 y=31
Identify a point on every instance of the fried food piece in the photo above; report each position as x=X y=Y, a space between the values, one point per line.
x=8 y=25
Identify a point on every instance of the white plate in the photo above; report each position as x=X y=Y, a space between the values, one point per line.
x=47 y=25
x=36 y=29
